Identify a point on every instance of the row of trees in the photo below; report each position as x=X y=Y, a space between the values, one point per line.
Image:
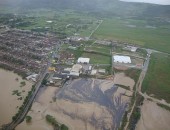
x=21 y=108
x=19 y=72
x=57 y=126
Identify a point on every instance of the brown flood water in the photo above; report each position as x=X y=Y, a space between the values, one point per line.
x=9 y=103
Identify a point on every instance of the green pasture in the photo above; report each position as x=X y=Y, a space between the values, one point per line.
x=97 y=58
x=157 y=78
x=137 y=32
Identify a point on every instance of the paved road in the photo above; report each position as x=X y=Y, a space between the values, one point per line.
x=139 y=84
x=22 y=115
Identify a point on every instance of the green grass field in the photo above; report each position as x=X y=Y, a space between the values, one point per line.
x=99 y=48
x=157 y=78
x=150 y=33
x=79 y=23
x=97 y=58
x=118 y=29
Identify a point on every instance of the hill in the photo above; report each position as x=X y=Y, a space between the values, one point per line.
x=97 y=7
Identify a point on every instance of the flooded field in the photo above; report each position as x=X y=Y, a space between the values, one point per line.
x=122 y=79
x=84 y=104
x=153 y=117
x=40 y=108
x=9 y=101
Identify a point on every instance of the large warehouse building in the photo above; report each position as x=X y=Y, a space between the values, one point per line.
x=83 y=60
x=121 y=59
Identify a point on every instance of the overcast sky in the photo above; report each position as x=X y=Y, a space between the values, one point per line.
x=163 y=2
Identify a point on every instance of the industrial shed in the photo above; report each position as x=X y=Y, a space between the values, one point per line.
x=76 y=68
x=121 y=59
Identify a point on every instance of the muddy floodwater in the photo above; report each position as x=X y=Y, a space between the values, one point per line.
x=42 y=106
x=9 y=103
x=82 y=104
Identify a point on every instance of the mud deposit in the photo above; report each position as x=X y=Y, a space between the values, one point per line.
x=153 y=117
x=82 y=104
x=103 y=93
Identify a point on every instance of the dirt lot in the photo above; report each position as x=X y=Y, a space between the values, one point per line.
x=153 y=117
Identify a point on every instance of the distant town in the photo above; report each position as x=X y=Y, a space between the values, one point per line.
x=88 y=65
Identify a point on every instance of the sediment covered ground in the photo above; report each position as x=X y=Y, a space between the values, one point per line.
x=84 y=104
x=153 y=117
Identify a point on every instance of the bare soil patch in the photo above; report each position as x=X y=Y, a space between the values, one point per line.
x=122 y=79
x=153 y=117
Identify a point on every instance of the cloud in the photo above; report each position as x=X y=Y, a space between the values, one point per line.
x=162 y=2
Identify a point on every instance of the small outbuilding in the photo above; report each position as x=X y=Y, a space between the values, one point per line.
x=94 y=72
x=121 y=59
x=32 y=77
x=131 y=48
x=102 y=71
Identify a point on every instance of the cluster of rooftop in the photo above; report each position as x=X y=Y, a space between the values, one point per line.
x=24 y=51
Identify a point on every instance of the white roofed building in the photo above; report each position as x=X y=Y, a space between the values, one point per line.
x=133 y=49
x=93 y=72
x=49 y=21
x=130 y=48
x=83 y=60
x=121 y=59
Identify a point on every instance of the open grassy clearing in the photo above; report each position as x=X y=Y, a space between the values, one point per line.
x=108 y=47
x=64 y=22
x=136 y=31
x=150 y=33
x=67 y=22
x=89 y=29
x=64 y=46
x=97 y=58
x=157 y=78
x=99 y=48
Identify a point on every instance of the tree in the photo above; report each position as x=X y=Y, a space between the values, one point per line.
x=28 y=119
x=23 y=83
x=44 y=82
x=64 y=127
x=55 y=124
